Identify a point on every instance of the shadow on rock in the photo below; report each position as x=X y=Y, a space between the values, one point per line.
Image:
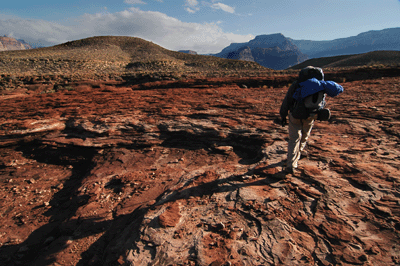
x=49 y=239
x=246 y=147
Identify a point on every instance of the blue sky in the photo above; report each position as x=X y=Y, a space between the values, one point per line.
x=204 y=26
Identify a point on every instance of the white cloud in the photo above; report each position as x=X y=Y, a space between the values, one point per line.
x=134 y=2
x=157 y=27
x=188 y=9
x=191 y=6
x=192 y=2
x=223 y=7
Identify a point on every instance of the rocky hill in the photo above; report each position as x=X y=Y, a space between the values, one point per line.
x=387 y=39
x=272 y=51
x=189 y=172
x=110 y=55
x=10 y=44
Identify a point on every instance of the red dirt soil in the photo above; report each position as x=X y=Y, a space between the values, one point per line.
x=171 y=174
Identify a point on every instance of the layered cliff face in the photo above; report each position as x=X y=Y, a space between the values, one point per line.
x=9 y=44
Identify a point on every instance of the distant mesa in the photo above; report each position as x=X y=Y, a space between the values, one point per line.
x=272 y=51
x=188 y=52
x=9 y=44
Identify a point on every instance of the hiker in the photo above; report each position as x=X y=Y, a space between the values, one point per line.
x=304 y=102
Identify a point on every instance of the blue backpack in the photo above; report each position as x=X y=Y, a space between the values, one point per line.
x=309 y=96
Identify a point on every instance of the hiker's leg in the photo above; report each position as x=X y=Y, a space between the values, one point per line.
x=295 y=135
x=306 y=130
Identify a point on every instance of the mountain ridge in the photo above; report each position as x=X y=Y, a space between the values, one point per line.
x=364 y=42
x=298 y=51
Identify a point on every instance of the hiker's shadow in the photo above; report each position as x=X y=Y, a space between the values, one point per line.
x=48 y=239
x=43 y=244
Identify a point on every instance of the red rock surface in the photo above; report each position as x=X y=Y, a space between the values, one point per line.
x=190 y=173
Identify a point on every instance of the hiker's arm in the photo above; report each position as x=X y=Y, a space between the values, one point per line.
x=332 y=88
x=288 y=101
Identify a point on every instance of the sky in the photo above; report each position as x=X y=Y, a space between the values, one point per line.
x=203 y=26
